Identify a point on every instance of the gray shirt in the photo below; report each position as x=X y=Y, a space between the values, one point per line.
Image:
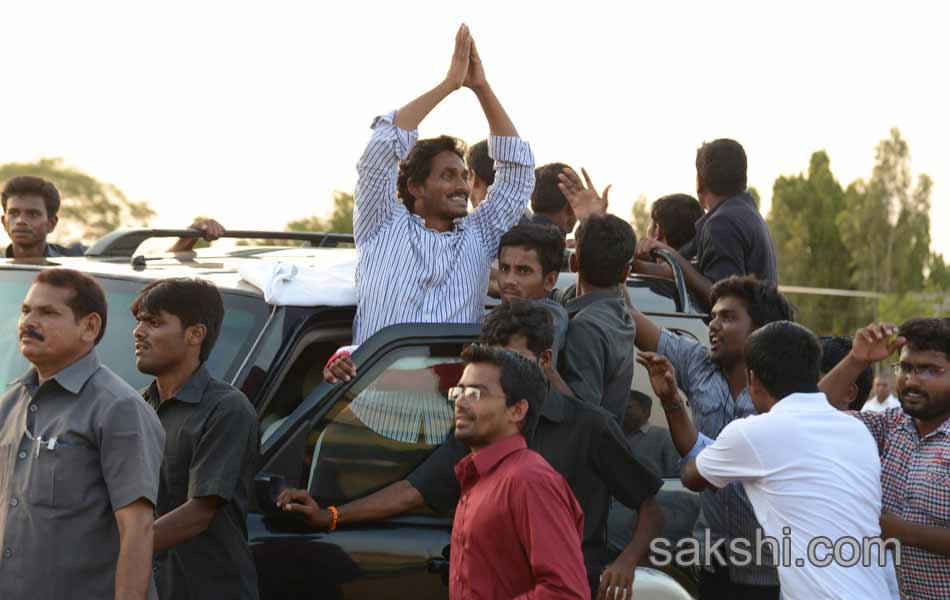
x=727 y=513
x=653 y=446
x=212 y=449
x=598 y=353
x=733 y=239
x=72 y=452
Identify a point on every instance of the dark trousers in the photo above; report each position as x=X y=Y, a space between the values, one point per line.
x=718 y=586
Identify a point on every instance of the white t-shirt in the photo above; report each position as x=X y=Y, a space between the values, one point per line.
x=810 y=472
x=872 y=405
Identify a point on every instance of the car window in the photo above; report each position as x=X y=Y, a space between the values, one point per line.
x=244 y=317
x=378 y=431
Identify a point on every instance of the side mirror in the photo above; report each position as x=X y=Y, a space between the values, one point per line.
x=267 y=486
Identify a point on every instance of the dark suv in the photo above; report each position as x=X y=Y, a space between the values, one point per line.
x=341 y=442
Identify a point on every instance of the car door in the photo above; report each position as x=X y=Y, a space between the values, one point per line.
x=347 y=441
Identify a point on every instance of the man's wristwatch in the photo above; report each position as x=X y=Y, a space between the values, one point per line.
x=672 y=407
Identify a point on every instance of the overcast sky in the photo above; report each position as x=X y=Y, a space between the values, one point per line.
x=256 y=112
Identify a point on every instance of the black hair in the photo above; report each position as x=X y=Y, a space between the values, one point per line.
x=87 y=297
x=193 y=301
x=605 y=245
x=677 y=215
x=478 y=161
x=764 y=303
x=721 y=166
x=927 y=333
x=644 y=400
x=417 y=166
x=27 y=185
x=519 y=317
x=546 y=196
x=546 y=241
x=520 y=379
x=834 y=349
x=785 y=357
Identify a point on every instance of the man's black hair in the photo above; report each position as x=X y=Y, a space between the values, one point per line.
x=477 y=160
x=27 y=185
x=927 y=333
x=546 y=241
x=520 y=378
x=193 y=301
x=785 y=357
x=677 y=215
x=87 y=297
x=417 y=166
x=519 y=317
x=644 y=400
x=605 y=245
x=721 y=166
x=762 y=300
x=546 y=196
x=834 y=349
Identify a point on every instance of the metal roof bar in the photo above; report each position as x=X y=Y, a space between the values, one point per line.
x=124 y=242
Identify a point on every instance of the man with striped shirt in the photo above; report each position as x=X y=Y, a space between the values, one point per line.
x=422 y=257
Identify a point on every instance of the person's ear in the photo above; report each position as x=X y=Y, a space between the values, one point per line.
x=416 y=189
x=518 y=413
x=544 y=361
x=573 y=261
x=660 y=234
x=700 y=189
x=89 y=327
x=51 y=223
x=550 y=280
x=3 y=219
x=195 y=335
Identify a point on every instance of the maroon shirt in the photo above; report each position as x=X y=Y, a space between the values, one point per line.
x=518 y=529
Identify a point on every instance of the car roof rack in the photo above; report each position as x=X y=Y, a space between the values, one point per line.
x=124 y=242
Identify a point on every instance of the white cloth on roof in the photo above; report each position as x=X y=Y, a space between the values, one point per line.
x=285 y=284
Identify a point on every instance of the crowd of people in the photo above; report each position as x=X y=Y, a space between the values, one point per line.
x=768 y=423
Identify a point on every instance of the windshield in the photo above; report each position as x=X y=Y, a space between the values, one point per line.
x=243 y=319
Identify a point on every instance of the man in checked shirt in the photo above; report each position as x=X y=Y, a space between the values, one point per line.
x=914 y=444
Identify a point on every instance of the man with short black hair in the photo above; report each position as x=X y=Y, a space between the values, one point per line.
x=422 y=257
x=598 y=354
x=79 y=457
x=212 y=449
x=810 y=472
x=913 y=442
x=732 y=238
x=30 y=213
x=882 y=399
x=716 y=383
x=481 y=171
x=650 y=444
x=673 y=220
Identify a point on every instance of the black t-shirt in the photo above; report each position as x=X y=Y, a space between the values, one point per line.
x=733 y=239
x=585 y=445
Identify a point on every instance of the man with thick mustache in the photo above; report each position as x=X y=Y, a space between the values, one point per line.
x=422 y=257
x=914 y=445
x=79 y=457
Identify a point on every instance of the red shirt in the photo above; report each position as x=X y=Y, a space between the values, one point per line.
x=518 y=529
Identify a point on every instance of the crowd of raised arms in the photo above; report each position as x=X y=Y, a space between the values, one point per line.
x=771 y=424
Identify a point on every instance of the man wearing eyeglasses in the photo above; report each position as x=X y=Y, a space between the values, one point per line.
x=914 y=444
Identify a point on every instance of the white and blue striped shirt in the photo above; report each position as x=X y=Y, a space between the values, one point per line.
x=407 y=273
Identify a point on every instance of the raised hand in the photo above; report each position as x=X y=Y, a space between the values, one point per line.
x=475 y=79
x=646 y=246
x=584 y=201
x=341 y=369
x=662 y=375
x=875 y=342
x=461 y=58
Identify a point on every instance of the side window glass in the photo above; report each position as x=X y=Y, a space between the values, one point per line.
x=384 y=426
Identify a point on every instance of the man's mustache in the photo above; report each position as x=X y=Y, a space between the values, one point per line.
x=33 y=334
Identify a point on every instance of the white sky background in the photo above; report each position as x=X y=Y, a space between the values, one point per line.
x=255 y=113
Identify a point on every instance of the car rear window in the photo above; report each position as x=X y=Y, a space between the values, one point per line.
x=243 y=319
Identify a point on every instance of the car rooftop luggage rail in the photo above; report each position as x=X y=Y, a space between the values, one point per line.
x=124 y=242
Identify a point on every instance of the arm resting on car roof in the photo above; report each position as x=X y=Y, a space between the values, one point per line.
x=393 y=500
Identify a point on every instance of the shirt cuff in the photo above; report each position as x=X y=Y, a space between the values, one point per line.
x=701 y=442
x=511 y=150
x=384 y=129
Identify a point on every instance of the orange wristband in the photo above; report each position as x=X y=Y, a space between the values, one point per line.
x=334 y=516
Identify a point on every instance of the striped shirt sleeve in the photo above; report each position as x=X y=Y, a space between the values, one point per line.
x=375 y=201
x=508 y=196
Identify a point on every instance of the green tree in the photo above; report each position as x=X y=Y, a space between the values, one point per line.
x=90 y=208
x=340 y=220
x=640 y=216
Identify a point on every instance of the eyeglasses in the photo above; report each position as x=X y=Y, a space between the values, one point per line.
x=470 y=394
x=923 y=372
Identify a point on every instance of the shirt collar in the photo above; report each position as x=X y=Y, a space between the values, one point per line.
x=737 y=198
x=72 y=378
x=553 y=407
x=578 y=304
x=907 y=422
x=190 y=393
x=488 y=458
x=49 y=251
x=459 y=223
x=799 y=401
